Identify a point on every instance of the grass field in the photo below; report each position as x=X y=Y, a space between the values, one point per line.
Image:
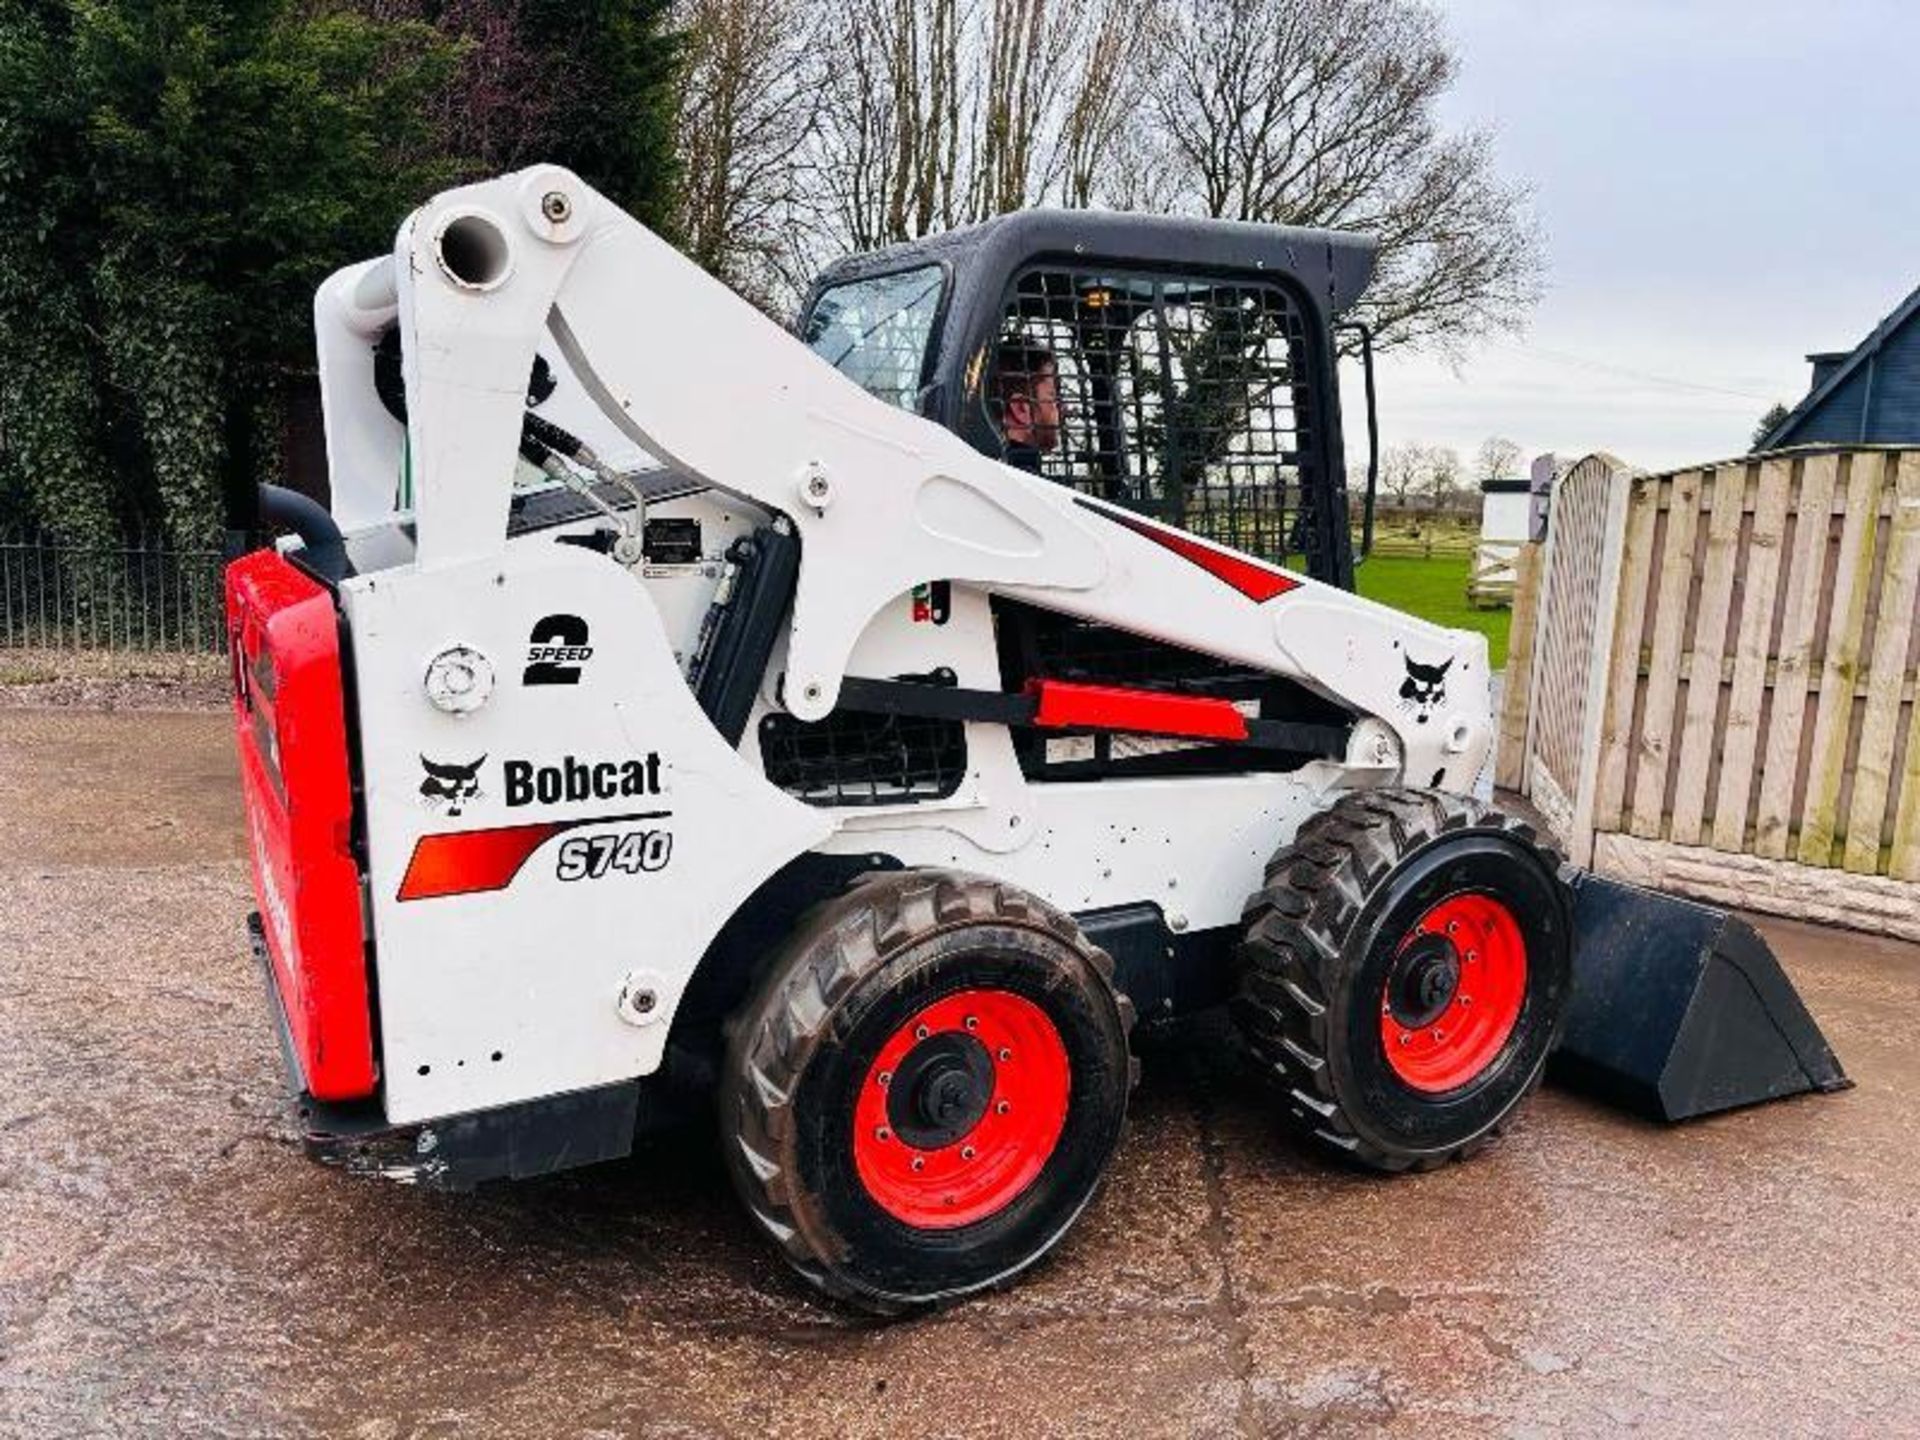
x=1435 y=590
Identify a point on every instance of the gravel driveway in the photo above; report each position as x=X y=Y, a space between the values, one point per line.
x=171 y=1264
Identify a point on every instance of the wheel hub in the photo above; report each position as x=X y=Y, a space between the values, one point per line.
x=940 y=1091
x=1425 y=978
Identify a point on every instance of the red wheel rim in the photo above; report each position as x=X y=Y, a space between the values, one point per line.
x=1454 y=993
x=985 y=1163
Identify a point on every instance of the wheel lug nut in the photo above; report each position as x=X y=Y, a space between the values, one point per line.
x=1002 y=1107
x=1405 y=1038
x=1005 y=1054
x=921 y=1032
x=967 y=1152
x=973 y=1022
x=883 y=1133
x=1453 y=927
x=919 y=1162
x=1439 y=1034
x=1472 y=955
x=886 y=1078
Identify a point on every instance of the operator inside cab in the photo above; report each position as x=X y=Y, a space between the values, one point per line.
x=1027 y=395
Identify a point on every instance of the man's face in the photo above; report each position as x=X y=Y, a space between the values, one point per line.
x=1033 y=410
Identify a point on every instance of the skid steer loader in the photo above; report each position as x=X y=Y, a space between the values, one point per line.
x=858 y=732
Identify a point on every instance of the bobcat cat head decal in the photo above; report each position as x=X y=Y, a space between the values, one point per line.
x=1425 y=688
x=450 y=787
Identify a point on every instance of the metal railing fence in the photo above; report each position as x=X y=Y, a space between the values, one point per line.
x=143 y=596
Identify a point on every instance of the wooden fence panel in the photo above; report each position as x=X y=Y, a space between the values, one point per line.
x=1567 y=679
x=1699 y=737
x=1886 y=674
x=1762 y=619
x=1673 y=587
x=1740 y=737
x=1846 y=624
x=1806 y=585
x=1623 y=679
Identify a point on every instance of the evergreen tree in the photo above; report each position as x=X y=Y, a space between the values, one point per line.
x=1776 y=416
x=175 y=178
x=589 y=84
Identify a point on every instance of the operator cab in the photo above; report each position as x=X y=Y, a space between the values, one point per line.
x=1192 y=362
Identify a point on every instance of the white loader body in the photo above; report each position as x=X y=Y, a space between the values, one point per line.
x=549 y=854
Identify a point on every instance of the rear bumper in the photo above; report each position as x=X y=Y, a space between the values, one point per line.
x=514 y=1142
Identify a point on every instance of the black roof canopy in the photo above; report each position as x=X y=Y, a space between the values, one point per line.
x=1268 y=476
x=1331 y=267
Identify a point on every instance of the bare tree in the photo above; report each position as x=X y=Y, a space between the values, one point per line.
x=1322 y=112
x=1443 y=477
x=749 y=102
x=1103 y=153
x=1023 y=51
x=942 y=112
x=1498 y=458
x=919 y=115
x=887 y=147
x=1403 y=472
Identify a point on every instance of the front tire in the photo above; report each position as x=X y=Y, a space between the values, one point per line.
x=1405 y=972
x=923 y=1094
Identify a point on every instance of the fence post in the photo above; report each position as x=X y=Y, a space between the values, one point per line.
x=1510 y=752
x=1542 y=617
x=1580 y=843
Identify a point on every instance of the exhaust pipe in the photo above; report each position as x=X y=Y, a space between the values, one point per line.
x=324 y=552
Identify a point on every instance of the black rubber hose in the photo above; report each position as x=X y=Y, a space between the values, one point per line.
x=325 y=553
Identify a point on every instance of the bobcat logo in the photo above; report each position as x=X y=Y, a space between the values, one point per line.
x=1424 y=689
x=450 y=787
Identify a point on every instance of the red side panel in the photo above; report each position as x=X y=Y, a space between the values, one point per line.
x=1065 y=706
x=289 y=711
x=469 y=862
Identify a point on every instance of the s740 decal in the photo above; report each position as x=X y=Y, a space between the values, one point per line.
x=588 y=857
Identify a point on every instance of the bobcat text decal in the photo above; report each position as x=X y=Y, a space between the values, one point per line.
x=573 y=780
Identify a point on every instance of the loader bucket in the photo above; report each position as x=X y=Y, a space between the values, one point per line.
x=1680 y=1009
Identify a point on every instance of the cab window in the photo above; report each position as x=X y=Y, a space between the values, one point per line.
x=875 y=331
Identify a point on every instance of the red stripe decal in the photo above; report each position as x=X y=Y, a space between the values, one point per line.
x=1251 y=578
x=1065 y=706
x=470 y=862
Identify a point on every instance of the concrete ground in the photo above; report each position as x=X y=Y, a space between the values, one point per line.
x=171 y=1264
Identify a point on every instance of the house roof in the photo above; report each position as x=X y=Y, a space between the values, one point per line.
x=1855 y=358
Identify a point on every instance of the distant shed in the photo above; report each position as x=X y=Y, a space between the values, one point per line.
x=1869 y=395
x=1505 y=523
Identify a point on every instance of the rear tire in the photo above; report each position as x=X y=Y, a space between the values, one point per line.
x=923 y=1094
x=1405 y=972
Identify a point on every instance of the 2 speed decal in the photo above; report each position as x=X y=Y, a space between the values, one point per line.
x=556 y=649
x=589 y=857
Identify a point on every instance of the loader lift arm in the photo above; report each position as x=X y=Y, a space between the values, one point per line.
x=878 y=500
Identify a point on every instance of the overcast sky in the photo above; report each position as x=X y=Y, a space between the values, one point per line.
x=1725 y=185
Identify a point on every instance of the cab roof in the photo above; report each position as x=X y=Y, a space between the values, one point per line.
x=1331 y=266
